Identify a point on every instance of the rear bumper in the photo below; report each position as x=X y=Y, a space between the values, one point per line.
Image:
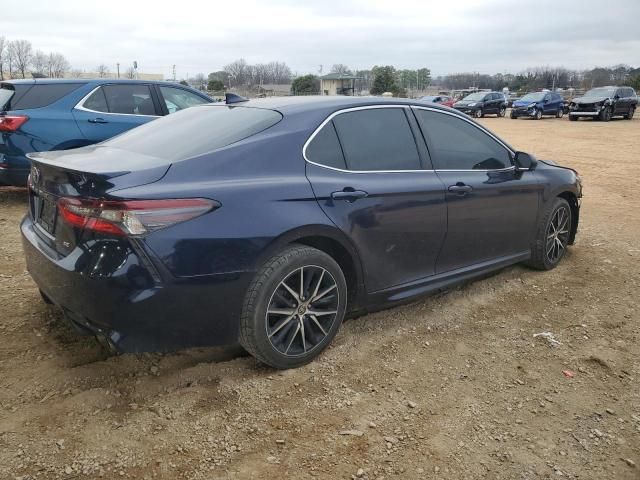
x=129 y=309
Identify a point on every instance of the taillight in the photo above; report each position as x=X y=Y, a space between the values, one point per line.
x=131 y=217
x=11 y=123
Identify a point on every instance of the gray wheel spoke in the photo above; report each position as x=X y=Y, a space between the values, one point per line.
x=323 y=293
x=320 y=313
x=282 y=311
x=293 y=337
x=281 y=325
x=304 y=341
x=315 y=291
x=291 y=291
x=301 y=294
x=315 y=320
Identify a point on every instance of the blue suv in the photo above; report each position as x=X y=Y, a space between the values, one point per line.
x=536 y=104
x=42 y=115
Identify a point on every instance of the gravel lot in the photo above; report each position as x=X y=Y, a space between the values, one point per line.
x=451 y=387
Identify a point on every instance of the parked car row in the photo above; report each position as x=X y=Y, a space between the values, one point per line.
x=602 y=103
x=45 y=114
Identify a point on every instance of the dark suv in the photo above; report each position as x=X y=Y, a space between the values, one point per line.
x=604 y=103
x=51 y=114
x=479 y=104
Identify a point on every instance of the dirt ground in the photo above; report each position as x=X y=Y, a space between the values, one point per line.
x=451 y=387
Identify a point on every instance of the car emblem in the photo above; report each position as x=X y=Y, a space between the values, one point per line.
x=35 y=175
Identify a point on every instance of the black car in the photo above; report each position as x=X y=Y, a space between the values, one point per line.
x=479 y=104
x=267 y=221
x=604 y=103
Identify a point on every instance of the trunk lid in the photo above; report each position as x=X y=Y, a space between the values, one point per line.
x=94 y=172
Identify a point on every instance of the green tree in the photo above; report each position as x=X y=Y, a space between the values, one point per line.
x=384 y=80
x=215 y=85
x=634 y=82
x=305 y=84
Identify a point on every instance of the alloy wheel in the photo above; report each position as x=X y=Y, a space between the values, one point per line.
x=557 y=234
x=302 y=310
x=478 y=113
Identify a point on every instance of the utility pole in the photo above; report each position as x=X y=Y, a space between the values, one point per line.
x=135 y=68
x=118 y=68
x=174 y=73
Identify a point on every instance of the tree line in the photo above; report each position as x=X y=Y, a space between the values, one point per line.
x=18 y=59
x=537 y=78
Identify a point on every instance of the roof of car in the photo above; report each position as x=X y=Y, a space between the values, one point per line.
x=31 y=81
x=297 y=104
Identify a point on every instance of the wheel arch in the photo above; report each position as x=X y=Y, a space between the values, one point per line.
x=334 y=243
x=571 y=198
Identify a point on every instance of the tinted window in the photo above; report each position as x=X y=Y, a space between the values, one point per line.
x=178 y=99
x=38 y=96
x=129 y=99
x=456 y=144
x=97 y=101
x=377 y=139
x=194 y=131
x=325 y=148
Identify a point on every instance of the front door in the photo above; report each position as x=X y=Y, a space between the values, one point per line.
x=113 y=109
x=369 y=176
x=491 y=207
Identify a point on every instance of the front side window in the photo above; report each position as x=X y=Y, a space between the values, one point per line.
x=123 y=99
x=178 y=99
x=455 y=144
x=377 y=139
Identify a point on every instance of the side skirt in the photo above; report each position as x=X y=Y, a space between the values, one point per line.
x=433 y=284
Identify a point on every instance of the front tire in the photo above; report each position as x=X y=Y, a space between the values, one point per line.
x=293 y=307
x=605 y=114
x=560 y=113
x=478 y=113
x=573 y=118
x=552 y=236
x=502 y=112
x=538 y=114
x=512 y=115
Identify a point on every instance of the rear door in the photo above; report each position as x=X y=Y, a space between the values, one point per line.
x=112 y=109
x=371 y=176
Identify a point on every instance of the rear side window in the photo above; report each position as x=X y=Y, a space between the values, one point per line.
x=377 y=139
x=123 y=99
x=194 y=131
x=325 y=148
x=178 y=99
x=38 y=95
x=455 y=144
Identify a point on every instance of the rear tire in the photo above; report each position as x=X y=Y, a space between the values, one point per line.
x=552 y=236
x=277 y=325
x=629 y=116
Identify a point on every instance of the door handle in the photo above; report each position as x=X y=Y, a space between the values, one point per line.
x=349 y=194
x=460 y=189
x=98 y=120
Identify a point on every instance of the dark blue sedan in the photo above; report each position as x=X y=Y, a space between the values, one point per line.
x=267 y=221
x=46 y=114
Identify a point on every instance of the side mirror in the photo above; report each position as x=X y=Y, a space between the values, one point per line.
x=525 y=162
x=616 y=97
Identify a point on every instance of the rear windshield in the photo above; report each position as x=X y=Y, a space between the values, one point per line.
x=28 y=96
x=195 y=131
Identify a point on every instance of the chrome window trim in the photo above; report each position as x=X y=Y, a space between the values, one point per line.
x=80 y=105
x=371 y=107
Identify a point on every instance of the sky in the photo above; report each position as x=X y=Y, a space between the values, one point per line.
x=485 y=36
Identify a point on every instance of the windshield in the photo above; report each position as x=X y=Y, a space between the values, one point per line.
x=533 y=97
x=195 y=131
x=474 y=97
x=601 y=92
x=6 y=92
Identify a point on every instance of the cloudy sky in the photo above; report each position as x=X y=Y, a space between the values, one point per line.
x=447 y=36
